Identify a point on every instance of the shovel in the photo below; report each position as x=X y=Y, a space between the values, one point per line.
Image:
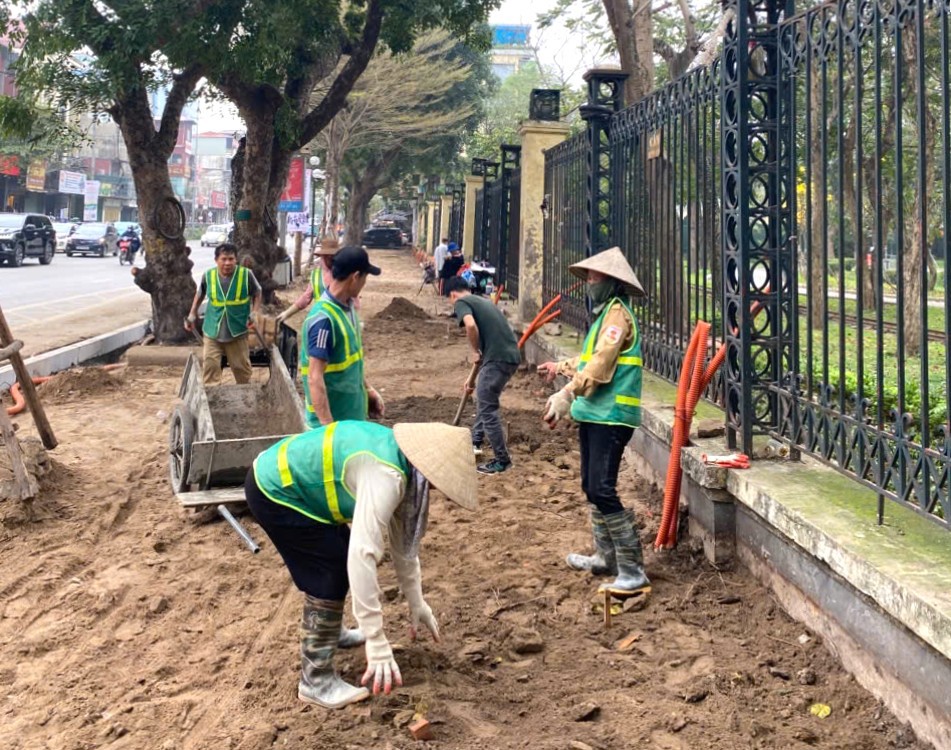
x=470 y=383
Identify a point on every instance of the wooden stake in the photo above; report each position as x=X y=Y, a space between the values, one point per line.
x=25 y=484
x=26 y=385
x=607 y=608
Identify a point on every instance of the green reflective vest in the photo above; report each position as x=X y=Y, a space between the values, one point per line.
x=307 y=472
x=617 y=402
x=317 y=281
x=343 y=375
x=234 y=304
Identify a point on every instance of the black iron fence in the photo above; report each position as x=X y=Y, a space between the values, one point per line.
x=478 y=240
x=795 y=196
x=458 y=213
x=564 y=212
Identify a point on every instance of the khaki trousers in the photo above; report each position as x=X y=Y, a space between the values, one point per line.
x=239 y=360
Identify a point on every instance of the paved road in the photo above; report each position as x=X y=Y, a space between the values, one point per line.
x=33 y=293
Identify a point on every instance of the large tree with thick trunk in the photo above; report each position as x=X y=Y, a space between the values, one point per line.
x=271 y=70
x=85 y=56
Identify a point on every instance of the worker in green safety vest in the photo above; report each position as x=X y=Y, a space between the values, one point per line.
x=603 y=396
x=320 y=276
x=331 y=359
x=234 y=298
x=306 y=489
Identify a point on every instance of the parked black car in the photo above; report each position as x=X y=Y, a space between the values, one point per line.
x=94 y=238
x=383 y=237
x=26 y=236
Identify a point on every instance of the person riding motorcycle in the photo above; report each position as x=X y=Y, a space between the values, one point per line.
x=134 y=242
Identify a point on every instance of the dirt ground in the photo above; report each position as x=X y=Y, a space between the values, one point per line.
x=127 y=622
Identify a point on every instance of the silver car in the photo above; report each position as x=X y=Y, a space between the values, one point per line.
x=63 y=230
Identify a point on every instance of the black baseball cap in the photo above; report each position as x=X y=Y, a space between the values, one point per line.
x=350 y=259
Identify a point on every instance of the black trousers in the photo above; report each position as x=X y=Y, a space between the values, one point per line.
x=602 y=447
x=315 y=553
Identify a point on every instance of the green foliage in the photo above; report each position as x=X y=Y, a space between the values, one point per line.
x=29 y=130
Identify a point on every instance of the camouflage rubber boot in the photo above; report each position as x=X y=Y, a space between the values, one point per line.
x=320 y=631
x=631 y=579
x=603 y=562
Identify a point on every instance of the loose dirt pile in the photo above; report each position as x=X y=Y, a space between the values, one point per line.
x=401 y=308
x=126 y=622
x=73 y=384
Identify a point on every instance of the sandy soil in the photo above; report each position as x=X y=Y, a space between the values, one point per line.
x=126 y=622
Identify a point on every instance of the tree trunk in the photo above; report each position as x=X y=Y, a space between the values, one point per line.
x=167 y=276
x=263 y=176
x=634 y=34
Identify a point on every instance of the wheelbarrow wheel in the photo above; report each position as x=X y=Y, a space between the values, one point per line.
x=181 y=435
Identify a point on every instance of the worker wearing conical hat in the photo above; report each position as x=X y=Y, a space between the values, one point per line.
x=320 y=277
x=603 y=396
x=306 y=489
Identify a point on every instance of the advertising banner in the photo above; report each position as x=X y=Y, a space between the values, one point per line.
x=218 y=199
x=91 y=202
x=292 y=199
x=72 y=183
x=36 y=176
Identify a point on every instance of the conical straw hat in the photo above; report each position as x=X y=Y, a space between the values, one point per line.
x=611 y=263
x=328 y=246
x=444 y=456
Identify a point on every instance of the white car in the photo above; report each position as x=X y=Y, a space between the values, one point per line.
x=63 y=230
x=215 y=235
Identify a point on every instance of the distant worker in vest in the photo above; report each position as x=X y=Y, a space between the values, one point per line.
x=331 y=360
x=604 y=398
x=306 y=489
x=492 y=345
x=234 y=297
x=320 y=276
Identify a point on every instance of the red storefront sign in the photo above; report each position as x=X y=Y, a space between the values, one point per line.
x=292 y=199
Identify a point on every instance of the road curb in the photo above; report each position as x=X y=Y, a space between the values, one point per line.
x=71 y=355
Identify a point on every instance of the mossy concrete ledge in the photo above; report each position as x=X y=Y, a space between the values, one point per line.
x=879 y=595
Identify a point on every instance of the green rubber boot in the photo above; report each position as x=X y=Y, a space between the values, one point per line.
x=631 y=579
x=603 y=562
x=320 y=632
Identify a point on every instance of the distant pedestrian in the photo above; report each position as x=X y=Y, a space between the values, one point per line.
x=234 y=297
x=452 y=265
x=493 y=347
x=439 y=259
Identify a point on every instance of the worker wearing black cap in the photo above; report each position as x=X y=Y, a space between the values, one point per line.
x=331 y=362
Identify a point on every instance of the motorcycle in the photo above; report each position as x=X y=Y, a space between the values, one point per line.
x=128 y=247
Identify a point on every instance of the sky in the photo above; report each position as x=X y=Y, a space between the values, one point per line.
x=558 y=49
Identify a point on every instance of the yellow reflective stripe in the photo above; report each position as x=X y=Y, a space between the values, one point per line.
x=213 y=287
x=241 y=276
x=340 y=366
x=351 y=358
x=304 y=369
x=343 y=328
x=330 y=484
x=627 y=400
x=636 y=361
x=283 y=468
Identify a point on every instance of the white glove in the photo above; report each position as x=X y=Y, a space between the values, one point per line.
x=381 y=667
x=558 y=406
x=286 y=314
x=422 y=613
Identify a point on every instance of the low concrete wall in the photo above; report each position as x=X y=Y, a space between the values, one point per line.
x=879 y=595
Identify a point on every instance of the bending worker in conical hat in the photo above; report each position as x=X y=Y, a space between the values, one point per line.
x=306 y=489
x=604 y=397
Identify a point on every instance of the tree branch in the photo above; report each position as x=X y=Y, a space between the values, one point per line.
x=336 y=96
x=182 y=88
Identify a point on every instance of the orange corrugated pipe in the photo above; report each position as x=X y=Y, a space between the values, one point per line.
x=698 y=381
x=672 y=483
